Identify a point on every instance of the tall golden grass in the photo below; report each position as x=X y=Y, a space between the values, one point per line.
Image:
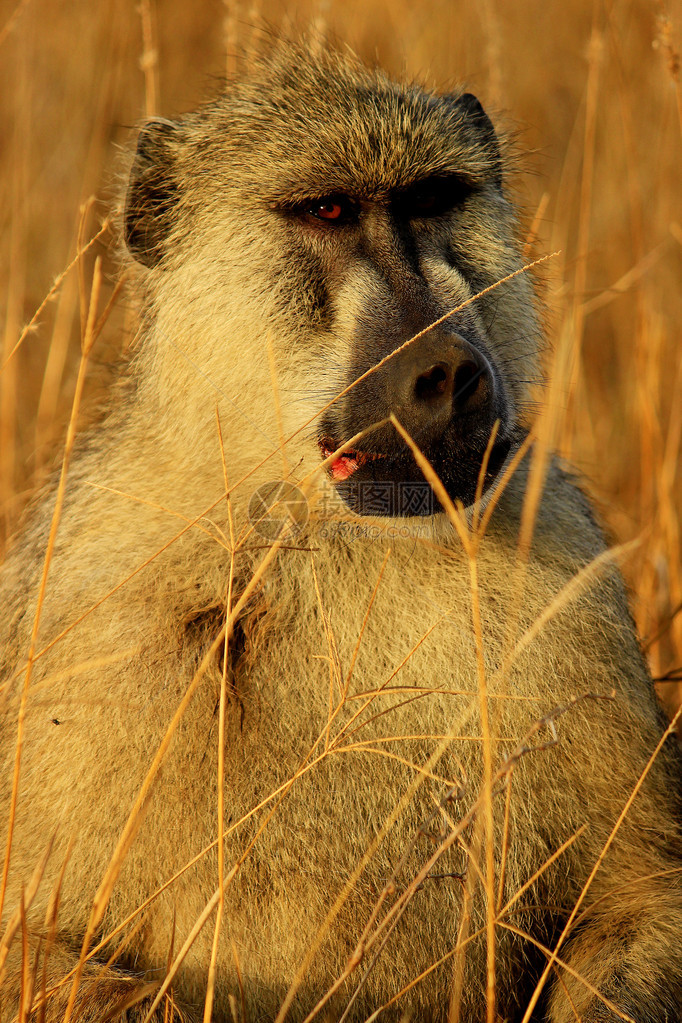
x=589 y=93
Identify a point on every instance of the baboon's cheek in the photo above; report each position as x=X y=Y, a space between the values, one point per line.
x=299 y=282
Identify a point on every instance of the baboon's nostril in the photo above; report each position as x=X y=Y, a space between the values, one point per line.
x=436 y=381
x=467 y=380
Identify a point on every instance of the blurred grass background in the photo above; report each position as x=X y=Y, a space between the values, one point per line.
x=591 y=95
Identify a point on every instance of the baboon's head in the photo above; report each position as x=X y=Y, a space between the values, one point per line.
x=347 y=222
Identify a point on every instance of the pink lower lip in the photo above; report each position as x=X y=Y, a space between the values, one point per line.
x=343 y=467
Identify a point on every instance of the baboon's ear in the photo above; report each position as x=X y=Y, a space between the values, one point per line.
x=152 y=192
x=477 y=117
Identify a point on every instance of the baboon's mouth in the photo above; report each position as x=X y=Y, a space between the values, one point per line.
x=343 y=467
x=389 y=483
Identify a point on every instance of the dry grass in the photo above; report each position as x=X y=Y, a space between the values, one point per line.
x=596 y=111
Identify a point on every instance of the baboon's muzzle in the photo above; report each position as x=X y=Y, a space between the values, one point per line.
x=445 y=392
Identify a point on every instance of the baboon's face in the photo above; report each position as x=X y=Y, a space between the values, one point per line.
x=365 y=217
x=406 y=357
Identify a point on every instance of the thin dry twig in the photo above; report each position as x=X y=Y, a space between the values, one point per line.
x=54 y=291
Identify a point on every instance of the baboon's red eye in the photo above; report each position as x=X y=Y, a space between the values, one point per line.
x=328 y=211
x=337 y=209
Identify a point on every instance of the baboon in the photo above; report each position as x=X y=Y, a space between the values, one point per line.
x=436 y=724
